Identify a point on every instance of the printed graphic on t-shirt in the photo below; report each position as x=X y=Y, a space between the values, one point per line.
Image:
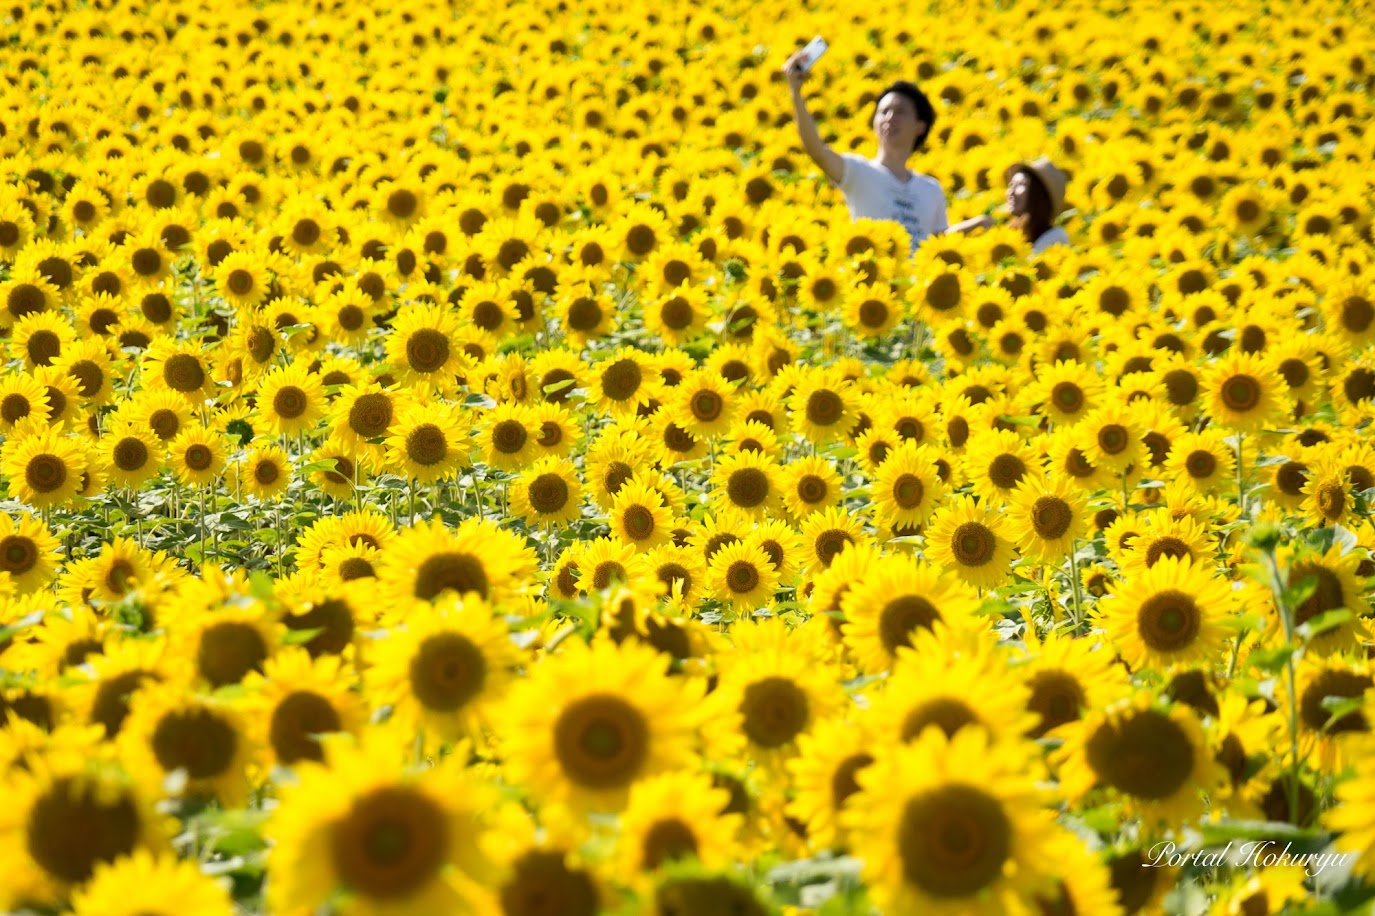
x=873 y=192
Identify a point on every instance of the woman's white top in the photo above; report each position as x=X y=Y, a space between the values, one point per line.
x=1052 y=236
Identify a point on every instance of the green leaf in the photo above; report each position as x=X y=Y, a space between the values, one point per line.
x=478 y=399
x=559 y=386
x=301 y=637
x=1329 y=620
x=1340 y=708
x=1022 y=421
x=1272 y=661
x=1297 y=594
x=1223 y=832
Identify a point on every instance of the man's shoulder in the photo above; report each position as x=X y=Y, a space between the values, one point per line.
x=926 y=181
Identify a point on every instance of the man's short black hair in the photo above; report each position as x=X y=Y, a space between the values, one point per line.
x=925 y=112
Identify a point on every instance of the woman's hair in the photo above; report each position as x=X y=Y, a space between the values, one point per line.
x=1038 y=216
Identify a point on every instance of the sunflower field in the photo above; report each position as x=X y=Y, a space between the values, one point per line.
x=462 y=458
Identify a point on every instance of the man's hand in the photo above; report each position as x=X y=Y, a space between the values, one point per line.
x=795 y=72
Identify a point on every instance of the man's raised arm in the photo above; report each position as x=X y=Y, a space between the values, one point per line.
x=821 y=154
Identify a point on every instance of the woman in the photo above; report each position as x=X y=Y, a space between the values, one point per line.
x=1035 y=197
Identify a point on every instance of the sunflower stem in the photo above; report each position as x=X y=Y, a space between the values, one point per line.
x=1291 y=676
x=202 y=527
x=1236 y=650
x=1241 y=492
x=1074 y=585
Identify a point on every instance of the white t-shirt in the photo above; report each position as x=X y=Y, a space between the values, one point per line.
x=1055 y=235
x=873 y=192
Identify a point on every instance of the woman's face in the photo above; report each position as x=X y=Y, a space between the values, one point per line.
x=1018 y=193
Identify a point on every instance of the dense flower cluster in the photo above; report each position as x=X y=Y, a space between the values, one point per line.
x=460 y=458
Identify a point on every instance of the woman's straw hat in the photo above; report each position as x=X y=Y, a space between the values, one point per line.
x=1052 y=179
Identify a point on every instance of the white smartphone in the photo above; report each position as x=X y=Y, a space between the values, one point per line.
x=812 y=53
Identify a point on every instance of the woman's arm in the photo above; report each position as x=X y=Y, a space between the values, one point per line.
x=975 y=222
x=821 y=154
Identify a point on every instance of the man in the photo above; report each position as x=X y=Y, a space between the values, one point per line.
x=882 y=187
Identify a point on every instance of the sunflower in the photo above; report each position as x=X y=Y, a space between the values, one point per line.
x=391 y=838
x=43 y=467
x=508 y=437
x=23 y=399
x=88 y=364
x=1351 y=815
x=291 y=399
x=678 y=315
x=348 y=316
x=825 y=534
x=1111 y=438
x=741 y=574
x=674 y=817
x=427 y=442
x=162 y=412
x=1066 y=677
x=144 y=884
x=445 y=667
x=1162 y=536
x=1326 y=500
x=1172 y=612
x=747 y=482
x=907 y=486
x=477 y=556
x=623 y=383
x=616 y=457
x=1203 y=460
x=1336 y=585
x=587 y=315
x=40 y=338
x=969 y=539
x=870 y=311
x=822 y=406
x=952 y=825
x=71 y=814
x=422 y=345
x=997 y=461
x=951 y=678
x=1046 y=517
x=227 y=645
x=197 y=456
x=896 y=597
x=640 y=515
x=133 y=456
x=363 y=414
x=548 y=492
x=829 y=758
x=538 y=861
x=1332 y=733
x=768 y=697
x=703 y=403
x=26 y=294
x=264 y=472
x=1154 y=756
x=207 y=738
x=593 y=720
x=1244 y=392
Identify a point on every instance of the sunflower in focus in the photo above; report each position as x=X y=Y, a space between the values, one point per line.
x=590 y=722
x=897 y=597
x=450 y=662
x=969 y=538
x=952 y=825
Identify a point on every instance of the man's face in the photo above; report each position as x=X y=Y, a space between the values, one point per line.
x=896 y=122
x=1018 y=193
